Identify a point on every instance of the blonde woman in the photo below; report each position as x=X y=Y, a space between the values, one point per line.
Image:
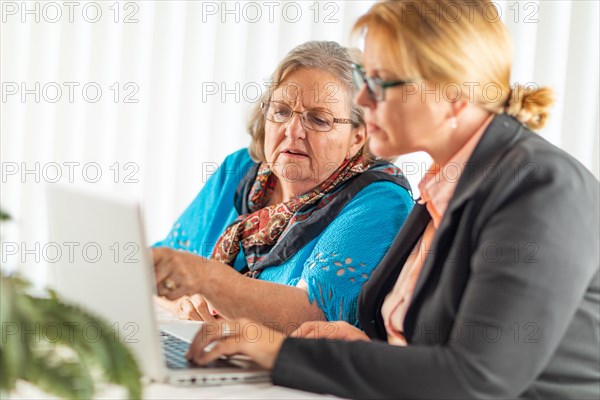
x=491 y=289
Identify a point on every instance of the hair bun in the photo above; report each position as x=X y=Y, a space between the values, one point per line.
x=530 y=105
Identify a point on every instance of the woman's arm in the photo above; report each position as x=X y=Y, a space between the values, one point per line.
x=514 y=312
x=340 y=262
x=478 y=362
x=232 y=294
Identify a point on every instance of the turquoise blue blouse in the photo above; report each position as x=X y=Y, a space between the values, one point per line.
x=334 y=265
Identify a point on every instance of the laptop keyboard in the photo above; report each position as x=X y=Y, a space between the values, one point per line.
x=175 y=349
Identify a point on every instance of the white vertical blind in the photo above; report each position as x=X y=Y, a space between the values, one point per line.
x=177 y=79
x=581 y=83
x=551 y=50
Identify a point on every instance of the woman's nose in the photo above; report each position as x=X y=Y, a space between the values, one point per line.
x=295 y=129
x=363 y=98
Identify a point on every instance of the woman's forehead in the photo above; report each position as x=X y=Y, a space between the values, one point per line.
x=312 y=89
x=383 y=56
x=376 y=55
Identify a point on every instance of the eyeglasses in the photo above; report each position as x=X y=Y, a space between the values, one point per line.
x=375 y=86
x=315 y=120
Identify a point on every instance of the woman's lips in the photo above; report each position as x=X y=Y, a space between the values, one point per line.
x=294 y=154
x=373 y=128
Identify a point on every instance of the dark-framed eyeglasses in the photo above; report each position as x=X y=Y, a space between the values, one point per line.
x=375 y=86
x=314 y=120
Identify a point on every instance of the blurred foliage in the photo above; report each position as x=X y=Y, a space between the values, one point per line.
x=48 y=343
x=4 y=216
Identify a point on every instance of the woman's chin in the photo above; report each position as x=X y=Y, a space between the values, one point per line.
x=381 y=148
x=293 y=172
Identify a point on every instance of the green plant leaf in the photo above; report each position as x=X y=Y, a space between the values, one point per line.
x=46 y=325
x=67 y=379
x=11 y=346
x=4 y=216
x=101 y=347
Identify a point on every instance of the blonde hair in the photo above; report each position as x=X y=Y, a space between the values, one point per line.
x=456 y=42
x=329 y=57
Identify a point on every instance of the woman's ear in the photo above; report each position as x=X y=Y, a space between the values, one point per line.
x=458 y=103
x=358 y=139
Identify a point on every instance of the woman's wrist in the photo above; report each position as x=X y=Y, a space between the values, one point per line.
x=212 y=276
x=268 y=348
x=204 y=275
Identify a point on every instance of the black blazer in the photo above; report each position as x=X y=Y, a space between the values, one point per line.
x=508 y=301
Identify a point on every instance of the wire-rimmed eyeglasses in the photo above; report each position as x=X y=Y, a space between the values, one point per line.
x=315 y=120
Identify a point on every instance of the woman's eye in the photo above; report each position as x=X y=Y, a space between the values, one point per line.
x=319 y=120
x=281 y=111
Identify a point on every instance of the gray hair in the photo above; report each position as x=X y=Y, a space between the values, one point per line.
x=315 y=55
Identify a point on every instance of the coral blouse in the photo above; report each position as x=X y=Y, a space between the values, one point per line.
x=437 y=188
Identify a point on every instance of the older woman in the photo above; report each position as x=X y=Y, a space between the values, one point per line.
x=297 y=215
x=491 y=288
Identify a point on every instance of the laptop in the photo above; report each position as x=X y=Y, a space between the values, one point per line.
x=106 y=267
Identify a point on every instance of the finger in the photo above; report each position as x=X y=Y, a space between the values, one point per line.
x=172 y=306
x=228 y=346
x=304 y=330
x=180 y=305
x=208 y=333
x=160 y=257
x=176 y=293
x=202 y=308
x=162 y=290
x=219 y=333
x=211 y=309
x=172 y=291
x=329 y=330
x=196 y=298
x=188 y=311
x=263 y=351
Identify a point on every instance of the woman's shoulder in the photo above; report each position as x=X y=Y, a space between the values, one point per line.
x=526 y=153
x=239 y=157
x=378 y=200
x=382 y=192
x=511 y=159
x=518 y=169
x=533 y=160
x=381 y=179
x=235 y=166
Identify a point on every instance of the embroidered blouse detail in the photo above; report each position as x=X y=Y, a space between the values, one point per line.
x=333 y=263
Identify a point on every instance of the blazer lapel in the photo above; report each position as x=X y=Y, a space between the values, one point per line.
x=385 y=275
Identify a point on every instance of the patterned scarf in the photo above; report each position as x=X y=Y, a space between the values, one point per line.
x=260 y=230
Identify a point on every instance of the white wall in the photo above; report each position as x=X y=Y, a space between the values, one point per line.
x=157 y=128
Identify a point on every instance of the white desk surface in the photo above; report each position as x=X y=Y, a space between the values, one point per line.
x=162 y=391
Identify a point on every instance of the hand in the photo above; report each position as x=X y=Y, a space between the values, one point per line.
x=196 y=308
x=178 y=273
x=329 y=330
x=259 y=342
